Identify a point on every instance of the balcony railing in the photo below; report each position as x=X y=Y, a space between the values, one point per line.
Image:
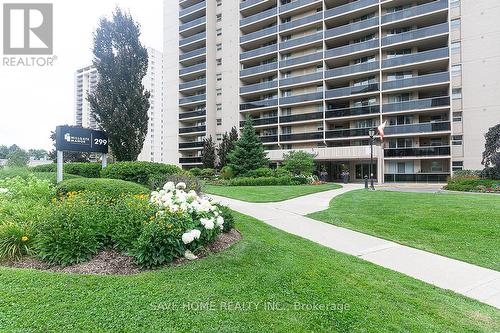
x=192 y=114
x=345 y=133
x=258 y=87
x=192 y=129
x=192 y=69
x=193 y=38
x=417 y=177
x=192 y=9
x=352 y=48
x=301 y=79
x=191 y=84
x=259 y=16
x=301 y=21
x=261 y=121
x=415 y=11
x=301 y=117
x=347 y=91
x=352 y=69
x=190 y=160
x=259 y=51
x=259 y=69
x=433 y=30
x=301 y=98
x=192 y=99
x=301 y=60
x=193 y=53
x=353 y=27
x=295 y=4
x=196 y=144
x=417 y=81
x=416 y=57
x=349 y=7
x=302 y=136
x=259 y=34
x=259 y=104
x=441 y=126
x=419 y=104
x=269 y=138
x=301 y=40
x=193 y=23
x=355 y=111
x=418 y=152
x=248 y=3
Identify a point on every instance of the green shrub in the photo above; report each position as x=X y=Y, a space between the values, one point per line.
x=260 y=172
x=192 y=183
x=112 y=188
x=228 y=217
x=267 y=181
x=282 y=172
x=299 y=162
x=26 y=173
x=470 y=183
x=15 y=241
x=87 y=170
x=207 y=173
x=227 y=172
x=195 y=172
x=138 y=172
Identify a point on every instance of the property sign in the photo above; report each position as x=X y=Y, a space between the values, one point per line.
x=80 y=139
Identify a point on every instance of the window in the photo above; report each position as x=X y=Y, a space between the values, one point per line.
x=457 y=165
x=456 y=47
x=436 y=166
x=456 y=93
x=219 y=46
x=454 y=3
x=455 y=24
x=399 y=75
x=286 y=111
x=286 y=130
x=286 y=93
x=219 y=107
x=219 y=32
x=218 y=76
x=218 y=61
x=219 y=136
x=457 y=116
x=286 y=19
x=397 y=53
x=457 y=140
x=219 y=3
x=219 y=121
x=218 y=91
x=219 y=17
x=456 y=70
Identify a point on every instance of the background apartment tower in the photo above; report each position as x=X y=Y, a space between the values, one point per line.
x=86 y=81
x=317 y=75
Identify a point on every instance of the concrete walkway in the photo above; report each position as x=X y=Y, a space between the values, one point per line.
x=473 y=281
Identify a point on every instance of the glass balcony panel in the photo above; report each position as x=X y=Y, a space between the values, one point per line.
x=417 y=177
x=259 y=51
x=301 y=40
x=248 y=3
x=301 y=79
x=192 y=129
x=415 y=11
x=259 y=16
x=191 y=84
x=192 y=99
x=259 y=104
x=295 y=4
x=353 y=27
x=355 y=111
x=302 y=136
x=418 y=128
x=346 y=70
x=259 y=34
x=345 y=133
x=197 y=144
x=193 y=38
x=301 y=98
x=419 y=104
x=192 y=114
x=416 y=57
x=191 y=69
x=349 y=7
x=261 y=121
x=416 y=34
x=259 y=69
x=301 y=117
x=346 y=91
x=301 y=21
x=269 y=138
x=417 y=151
x=259 y=86
x=192 y=9
x=351 y=48
x=417 y=81
x=193 y=23
x=193 y=53
x=301 y=59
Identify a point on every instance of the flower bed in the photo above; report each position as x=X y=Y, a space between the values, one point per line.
x=473 y=183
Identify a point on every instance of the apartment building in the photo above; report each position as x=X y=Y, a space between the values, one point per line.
x=317 y=75
x=154 y=145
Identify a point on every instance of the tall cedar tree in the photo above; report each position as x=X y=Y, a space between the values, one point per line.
x=248 y=153
x=208 y=153
x=226 y=146
x=491 y=154
x=119 y=103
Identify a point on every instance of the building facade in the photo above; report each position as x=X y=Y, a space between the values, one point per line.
x=317 y=75
x=86 y=81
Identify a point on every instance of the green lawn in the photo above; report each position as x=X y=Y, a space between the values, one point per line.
x=267 y=193
x=460 y=226
x=254 y=286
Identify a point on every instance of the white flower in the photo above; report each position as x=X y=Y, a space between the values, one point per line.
x=187 y=237
x=181 y=186
x=207 y=223
x=192 y=194
x=4 y=190
x=190 y=255
x=170 y=186
x=196 y=233
x=219 y=221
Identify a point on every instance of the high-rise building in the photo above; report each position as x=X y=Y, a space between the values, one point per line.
x=86 y=81
x=317 y=75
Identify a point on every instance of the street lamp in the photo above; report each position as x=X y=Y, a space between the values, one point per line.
x=371 y=133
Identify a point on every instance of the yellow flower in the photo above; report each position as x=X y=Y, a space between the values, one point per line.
x=24 y=238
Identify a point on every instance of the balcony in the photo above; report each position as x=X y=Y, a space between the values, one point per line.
x=419 y=104
x=187 y=145
x=301 y=79
x=193 y=69
x=249 y=3
x=301 y=41
x=418 y=152
x=265 y=103
x=355 y=111
x=193 y=23
x=415 y=11
x=301 y=21
x=352 y=69
x=301 y=136
x=259 y=51
x=258 y=87
x=192 y=84
x=192 y=114
x=259 y=34
x=433 y=30
x=420 y=80
x=258 y=17
x=192 y=129
x=190 y=160
x=301 y=117
x=416 y=57
x=269 y=138
x=352 y=48
x=259 y=69
x=296 y=4
x=192 y=99
x=346 y=133
x=192 y=9
x=301 y=98
x=261 y=121
x=442 y=126
x=193 y=38
x=353 y=27
x=349 y=7
x=329 y=153
x=192 y=54
x=354 y=90
x=417 y=177
x=301 y=60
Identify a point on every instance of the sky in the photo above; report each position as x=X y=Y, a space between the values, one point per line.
x=34 y=100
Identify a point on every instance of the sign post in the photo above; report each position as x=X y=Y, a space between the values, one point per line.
x=79 y=139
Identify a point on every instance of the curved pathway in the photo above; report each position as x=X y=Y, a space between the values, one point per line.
x=473 y=281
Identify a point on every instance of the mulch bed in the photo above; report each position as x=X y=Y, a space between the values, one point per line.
x=110 y=262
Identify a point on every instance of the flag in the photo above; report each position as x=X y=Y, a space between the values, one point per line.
x=380 y=129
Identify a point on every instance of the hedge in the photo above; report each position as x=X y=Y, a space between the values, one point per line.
x=138 y=172
x=112 y=188
x=88 y=170
x=471 y=184
x=25 y=173
x=267 y=181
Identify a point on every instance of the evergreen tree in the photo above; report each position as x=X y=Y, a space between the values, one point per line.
x=491 y=154
x=248 y=153
x=119 y=103
x=208 y=154
x=226 y=146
